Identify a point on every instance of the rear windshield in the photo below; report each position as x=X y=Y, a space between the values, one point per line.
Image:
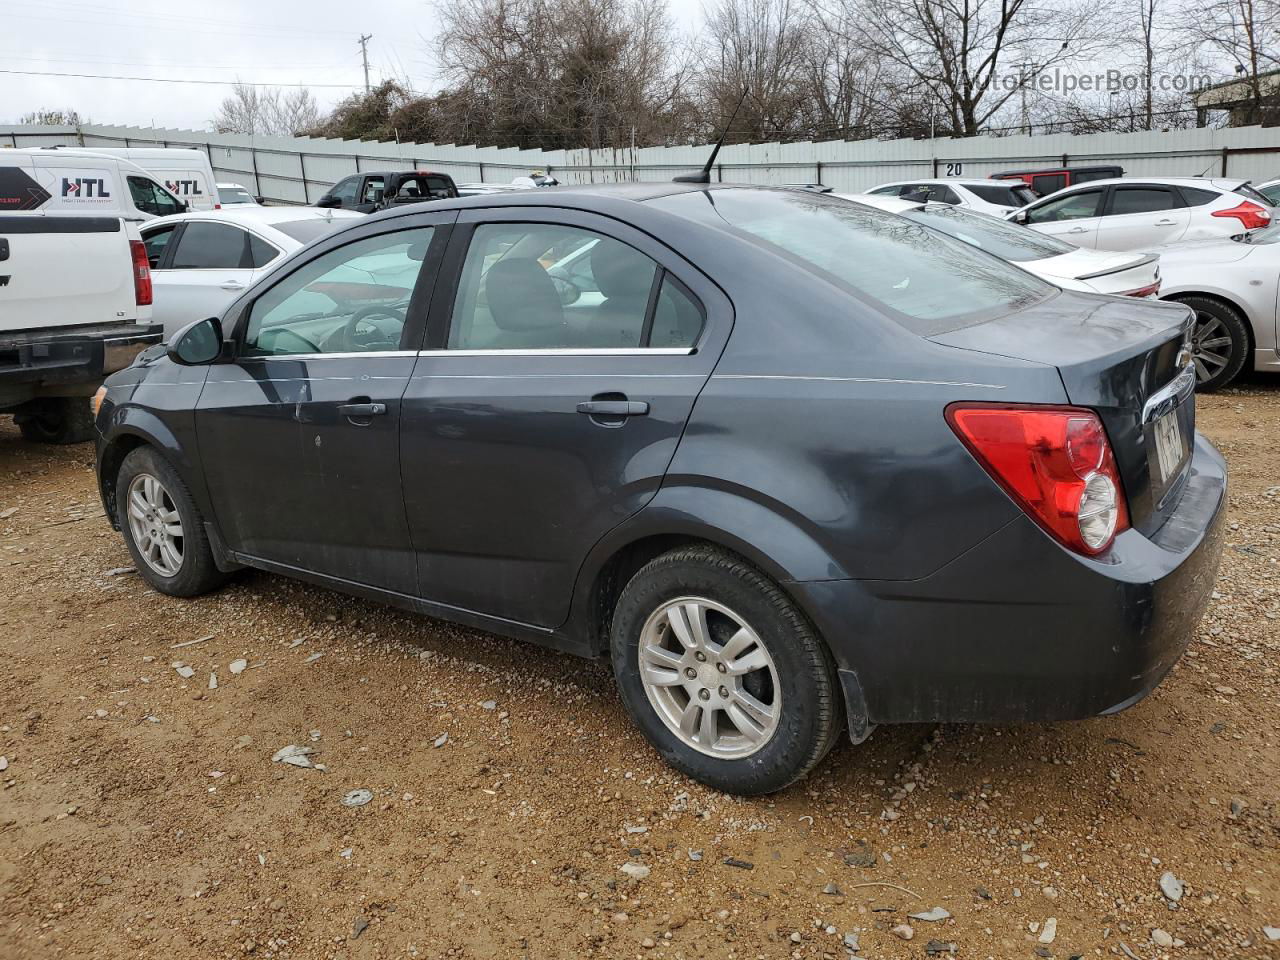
x=1006 y=240
x=1005 y=194
x=929 y=282
x=304 y=231
x=1247 y=191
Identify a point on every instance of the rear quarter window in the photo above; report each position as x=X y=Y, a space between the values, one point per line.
x=928 y=282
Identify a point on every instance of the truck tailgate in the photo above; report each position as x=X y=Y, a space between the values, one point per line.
x=64 y=272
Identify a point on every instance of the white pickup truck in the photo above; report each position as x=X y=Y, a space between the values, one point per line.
x=75 y=306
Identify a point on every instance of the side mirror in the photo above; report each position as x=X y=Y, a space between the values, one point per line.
x=260 y=200
x=328 y=201
x=197 y=343
x=1020 y=216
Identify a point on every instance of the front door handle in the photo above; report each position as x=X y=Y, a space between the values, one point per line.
x=1077 y=230
x=232 y=285
x=614 y=408
x=362 y=409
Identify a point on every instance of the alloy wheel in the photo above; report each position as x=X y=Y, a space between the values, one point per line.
x=1210 y=346
x=155 y=525
x=710 y=677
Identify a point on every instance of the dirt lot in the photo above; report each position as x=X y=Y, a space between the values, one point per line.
x=141 y=814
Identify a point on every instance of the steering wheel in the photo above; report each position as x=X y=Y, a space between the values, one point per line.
x=387 y=323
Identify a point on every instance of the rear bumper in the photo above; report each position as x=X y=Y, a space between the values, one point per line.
x=73 y=355
x=1019 y=629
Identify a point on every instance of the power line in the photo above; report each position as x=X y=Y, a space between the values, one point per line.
x=216 y=83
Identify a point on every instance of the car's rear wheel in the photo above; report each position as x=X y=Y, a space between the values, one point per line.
x=162 y=527
x=57 y=420
x=722 y=673
x=1219 y=342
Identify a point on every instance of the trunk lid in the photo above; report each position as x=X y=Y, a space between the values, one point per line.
x=1121 y=359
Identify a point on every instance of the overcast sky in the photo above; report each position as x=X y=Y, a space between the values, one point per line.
x=313 y=42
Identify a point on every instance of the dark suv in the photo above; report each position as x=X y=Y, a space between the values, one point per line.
x=371 y=191
x=796 y=465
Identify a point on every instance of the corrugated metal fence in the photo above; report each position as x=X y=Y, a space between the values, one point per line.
x=299 y=170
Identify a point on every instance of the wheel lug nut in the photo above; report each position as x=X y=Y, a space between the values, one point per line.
x=700 y=657
x=690 y=672
x=721 y=667
x=724 y=693
x=704 y=694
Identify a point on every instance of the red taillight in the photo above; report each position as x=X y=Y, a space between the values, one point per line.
x=217 y=206
x=141 y=273
x=1150 y=290
x=1056 y=464
x=1250 y=214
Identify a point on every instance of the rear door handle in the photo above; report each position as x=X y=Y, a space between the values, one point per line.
x=232 y=285
x=362 y=409
x=614 y=408
x=1165 y=223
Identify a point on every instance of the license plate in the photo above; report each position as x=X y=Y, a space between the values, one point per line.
x=1170 y=448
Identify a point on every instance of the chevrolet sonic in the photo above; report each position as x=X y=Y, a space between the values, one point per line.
x=797 y=466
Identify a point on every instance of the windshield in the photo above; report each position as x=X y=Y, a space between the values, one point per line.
x=234 y=195
x=928 y=281
x=1006 y=240
x=1005 y=194
x=304 y=231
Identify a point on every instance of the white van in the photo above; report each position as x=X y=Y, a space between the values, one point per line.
x=185 y=173
x=76 y=182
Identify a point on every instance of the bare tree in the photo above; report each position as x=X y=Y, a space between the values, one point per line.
x=267 y=110
x=53 y=117
x=958 y=50
x=1244 y=33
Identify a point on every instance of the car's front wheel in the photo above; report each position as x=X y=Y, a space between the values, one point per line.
x=722 y=673
x=163 y=527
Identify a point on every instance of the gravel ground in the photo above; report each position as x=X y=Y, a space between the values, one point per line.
x=141 y=814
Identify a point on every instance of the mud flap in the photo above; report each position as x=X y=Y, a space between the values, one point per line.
x=855 y=707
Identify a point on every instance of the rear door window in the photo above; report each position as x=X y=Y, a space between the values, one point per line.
x=212 y=246
x=260 y=252
x=1126 y=200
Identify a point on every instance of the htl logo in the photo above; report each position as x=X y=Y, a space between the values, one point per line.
x=84 y=188
x=184 y=188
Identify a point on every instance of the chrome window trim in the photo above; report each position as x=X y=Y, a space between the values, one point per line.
x=578 y=352
x=566 y=352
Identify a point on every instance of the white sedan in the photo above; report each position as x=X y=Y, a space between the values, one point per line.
x=1063 y=265
x=234 y=195
x=202 y=261
x=1132 y=213
x=1233 y=285
x=996 y=197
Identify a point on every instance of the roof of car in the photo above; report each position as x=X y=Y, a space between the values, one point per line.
x=952 y=181
x=1217 y=183
x=881 y=202
x=248 y=214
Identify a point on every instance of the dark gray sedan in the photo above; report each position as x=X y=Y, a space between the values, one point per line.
x=798 y=466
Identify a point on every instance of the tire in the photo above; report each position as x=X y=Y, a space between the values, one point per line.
x=61 y=420
x=797 y=680
x=1216 y=321
x=194 y=572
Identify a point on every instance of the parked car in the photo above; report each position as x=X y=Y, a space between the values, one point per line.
x=984 y=196
x=905 y=461
x=1138 y=214
x=1053 y=179
x=235 y=195
x=80 y=183
x=476 y=189
x=185 y=173
x=200 y=262
x=1051 y=259
x=75 y=305
x=1271 y=190
x=377 y=190
x=1232 y=285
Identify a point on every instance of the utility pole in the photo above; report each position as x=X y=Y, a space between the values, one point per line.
x=364 y=56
